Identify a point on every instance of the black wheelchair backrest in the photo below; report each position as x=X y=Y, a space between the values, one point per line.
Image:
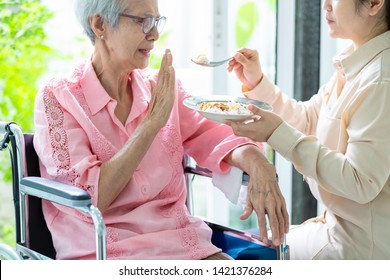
x=40 y=239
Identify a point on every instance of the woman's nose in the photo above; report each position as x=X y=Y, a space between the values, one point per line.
x=153 y=34
x=326 y=5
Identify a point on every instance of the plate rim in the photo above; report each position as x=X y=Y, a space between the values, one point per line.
x=222 y=98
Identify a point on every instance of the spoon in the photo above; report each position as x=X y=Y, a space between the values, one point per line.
x=203 y=61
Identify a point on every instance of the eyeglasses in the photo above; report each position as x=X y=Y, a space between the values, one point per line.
x=148 y=23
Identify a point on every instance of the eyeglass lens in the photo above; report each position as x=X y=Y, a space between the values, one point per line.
x=150 y=22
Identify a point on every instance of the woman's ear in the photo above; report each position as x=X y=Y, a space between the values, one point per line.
x=97 y=25
x=376 y=6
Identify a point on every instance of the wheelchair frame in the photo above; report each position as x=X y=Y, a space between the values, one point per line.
x=53 y=191
x=26 y=187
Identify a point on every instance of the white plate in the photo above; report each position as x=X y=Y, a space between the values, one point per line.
x=192 y=103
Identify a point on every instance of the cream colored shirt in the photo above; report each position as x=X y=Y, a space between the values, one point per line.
x=340 y=141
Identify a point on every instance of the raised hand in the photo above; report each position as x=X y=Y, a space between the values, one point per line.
x=163 y=92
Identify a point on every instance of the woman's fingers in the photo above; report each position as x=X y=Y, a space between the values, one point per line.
x=164 y=73
x=261 y=219
x=247 y=210
x=282 y=222
x=260 y=129
x=283 y=213
x=163 y=91
x=265 y=198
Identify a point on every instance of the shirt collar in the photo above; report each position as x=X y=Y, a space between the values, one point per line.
x=351 y=62
x=95 y=95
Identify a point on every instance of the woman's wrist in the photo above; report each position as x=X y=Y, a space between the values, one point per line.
x=245 y=88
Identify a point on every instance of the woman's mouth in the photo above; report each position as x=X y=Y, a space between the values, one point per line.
x=145 y=52
x=329 y=20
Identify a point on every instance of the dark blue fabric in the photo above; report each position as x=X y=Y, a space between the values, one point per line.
x=241 y=249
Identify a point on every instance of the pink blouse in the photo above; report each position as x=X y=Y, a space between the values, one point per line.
x=77 y=130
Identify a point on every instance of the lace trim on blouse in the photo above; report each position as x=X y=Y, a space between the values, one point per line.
x=59 y=140
x=189 y=239
x=61 y=155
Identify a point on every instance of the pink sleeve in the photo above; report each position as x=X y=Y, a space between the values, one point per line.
x=63 y=146
x=206 y=141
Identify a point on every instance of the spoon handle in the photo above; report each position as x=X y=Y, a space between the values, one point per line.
x=220 y=62
x=212 y=63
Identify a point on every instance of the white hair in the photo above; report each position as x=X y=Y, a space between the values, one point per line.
x=109 y=10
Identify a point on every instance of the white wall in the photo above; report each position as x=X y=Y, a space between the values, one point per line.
x=285 y=80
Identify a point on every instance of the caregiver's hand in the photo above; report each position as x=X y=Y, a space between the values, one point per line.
x=246 y=65
x=261 y=128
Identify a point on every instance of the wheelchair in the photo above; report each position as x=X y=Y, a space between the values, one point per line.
x=33 y=238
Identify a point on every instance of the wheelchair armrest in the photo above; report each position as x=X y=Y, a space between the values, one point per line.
x=69 y=196
x=54 y=191
x=197 y=170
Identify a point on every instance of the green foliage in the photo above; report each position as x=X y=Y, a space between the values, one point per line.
x=246 y=21
x=7 y=235
x=272 y=5
x=23 y=59
x=155 y=58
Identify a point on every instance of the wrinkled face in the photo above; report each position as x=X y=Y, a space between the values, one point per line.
x=128 y=46
x=343 y=20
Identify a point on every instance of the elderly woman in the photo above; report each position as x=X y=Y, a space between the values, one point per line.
x=120 y=132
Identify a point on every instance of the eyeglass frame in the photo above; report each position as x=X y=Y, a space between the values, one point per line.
x=155 y=21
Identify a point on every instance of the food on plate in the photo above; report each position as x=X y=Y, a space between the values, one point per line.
x=228 y=107
x=201 y=59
